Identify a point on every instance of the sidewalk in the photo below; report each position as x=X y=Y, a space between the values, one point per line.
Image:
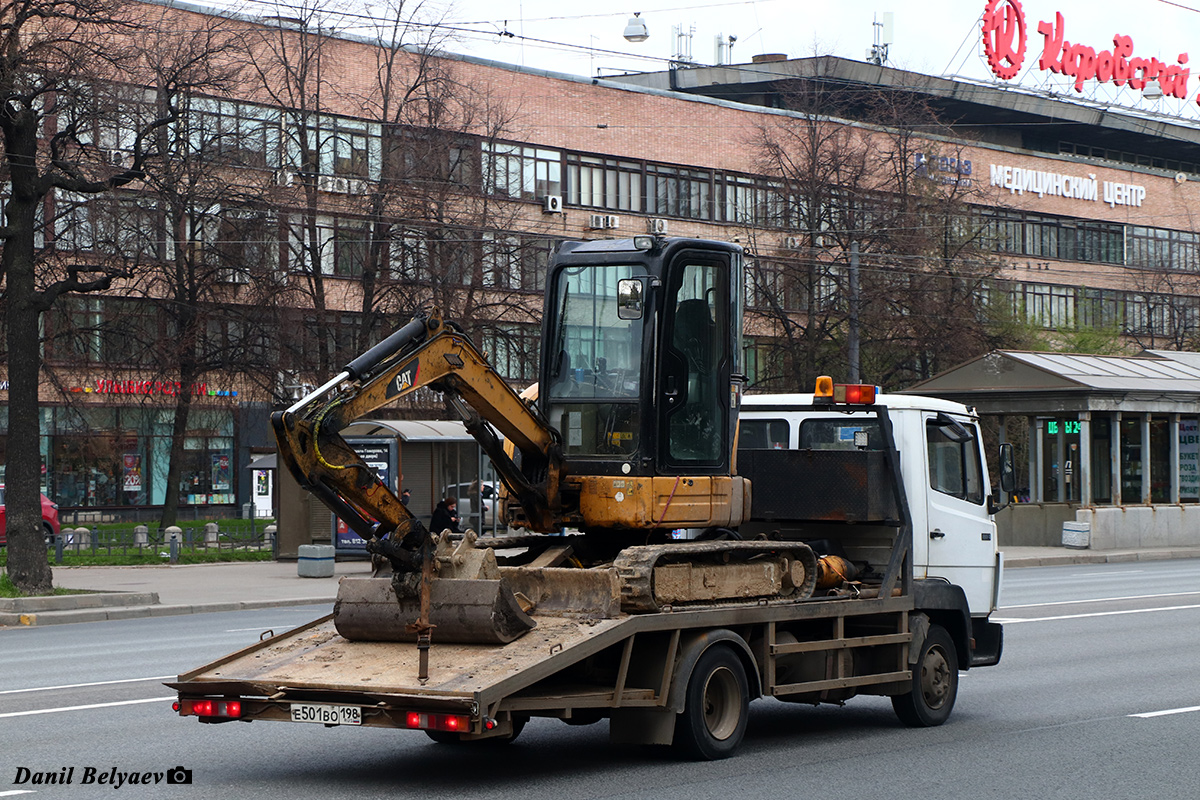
x=160 y=591
x=156 y=590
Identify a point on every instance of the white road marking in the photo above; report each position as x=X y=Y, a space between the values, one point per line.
x=84 y=708
x=82 y=685
x=1102 y=600
x=15 y=792
x=278 y=628
x=1016 y=621
x=1167 y=713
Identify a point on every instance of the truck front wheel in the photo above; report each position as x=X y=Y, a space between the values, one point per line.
x=934 y=683
x=717 y=704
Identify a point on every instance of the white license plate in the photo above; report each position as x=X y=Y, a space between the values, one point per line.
x=326 y=714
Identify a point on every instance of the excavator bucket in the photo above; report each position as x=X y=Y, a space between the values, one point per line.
x=462 y=611
x=469 y=602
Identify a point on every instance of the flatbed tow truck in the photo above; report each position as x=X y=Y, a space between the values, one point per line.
x=702 y=573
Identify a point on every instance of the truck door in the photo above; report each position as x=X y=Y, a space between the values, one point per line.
x=962 y=546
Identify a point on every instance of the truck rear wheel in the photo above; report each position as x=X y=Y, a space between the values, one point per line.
x=934 y=684
x=717 y=704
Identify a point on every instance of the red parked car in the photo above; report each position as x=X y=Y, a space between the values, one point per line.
x=49 y=518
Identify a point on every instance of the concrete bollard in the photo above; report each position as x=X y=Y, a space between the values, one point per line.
x=173 y=534
x=83 y=536
x=141 y=535
x=315 y=561
x=212 y=533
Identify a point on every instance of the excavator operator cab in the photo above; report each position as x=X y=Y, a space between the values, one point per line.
x=642 y=358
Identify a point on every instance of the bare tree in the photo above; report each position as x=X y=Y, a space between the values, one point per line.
x=62 y=69
x=402 y=197
x=883 y=248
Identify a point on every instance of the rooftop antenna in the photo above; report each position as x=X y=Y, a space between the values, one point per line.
x=878 y=52
x=683 y=44
x=725 y=48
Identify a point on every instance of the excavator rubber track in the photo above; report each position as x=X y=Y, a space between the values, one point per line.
x=661 y=577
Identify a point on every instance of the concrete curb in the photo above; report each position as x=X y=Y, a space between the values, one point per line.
x=72 y=602
x=1059 y=558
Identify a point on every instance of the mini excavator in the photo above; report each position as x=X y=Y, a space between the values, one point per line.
x=628 y=440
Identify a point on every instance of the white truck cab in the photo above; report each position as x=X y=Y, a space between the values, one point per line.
x=942 y=464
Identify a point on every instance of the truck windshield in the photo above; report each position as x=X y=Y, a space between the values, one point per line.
x=595 y=369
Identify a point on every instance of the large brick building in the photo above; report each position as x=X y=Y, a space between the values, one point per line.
x=978 y=213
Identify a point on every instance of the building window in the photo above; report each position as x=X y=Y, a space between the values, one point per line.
x=521 y=171
x=102 y=330
x=678 y=192
x=408 y=254
x=350 y=239
x=335 y=146
x=237 y=133
x=751 y=201
x=1048 y=306
x=513 y=350
x=126 y=225
x=512 y=261
x=609 y=183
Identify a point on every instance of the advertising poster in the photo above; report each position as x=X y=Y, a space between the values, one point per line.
x=1189 y=465
x=220 y=473
x=133 y=473
x=380 y=455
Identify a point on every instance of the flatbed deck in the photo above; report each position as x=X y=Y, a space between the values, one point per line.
x=538 y=673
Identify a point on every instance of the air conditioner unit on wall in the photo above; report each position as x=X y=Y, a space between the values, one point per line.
x=335 y=185
x=117 y=158
x=604 y=221
x=284 y=177
x=791 y=243
x=552 y=204
x=658 y=226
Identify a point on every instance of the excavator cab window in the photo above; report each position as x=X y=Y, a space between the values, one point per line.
x=595 y=370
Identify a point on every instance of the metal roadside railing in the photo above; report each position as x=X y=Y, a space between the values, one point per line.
x=168 y=543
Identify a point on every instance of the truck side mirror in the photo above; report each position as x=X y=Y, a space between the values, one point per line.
x=1008 y=479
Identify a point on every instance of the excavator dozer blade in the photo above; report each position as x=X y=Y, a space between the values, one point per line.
x=462 y=611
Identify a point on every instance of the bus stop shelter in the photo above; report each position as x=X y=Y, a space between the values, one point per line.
x=1107 y=441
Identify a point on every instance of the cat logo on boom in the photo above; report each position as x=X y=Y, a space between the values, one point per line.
x=404 y=380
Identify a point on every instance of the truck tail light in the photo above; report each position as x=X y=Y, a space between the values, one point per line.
x=228 y=709
x=454 y=723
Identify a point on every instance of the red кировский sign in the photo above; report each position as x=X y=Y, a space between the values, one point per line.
x=1005 y=40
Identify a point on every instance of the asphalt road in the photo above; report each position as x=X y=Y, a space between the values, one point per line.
x=1097 y=697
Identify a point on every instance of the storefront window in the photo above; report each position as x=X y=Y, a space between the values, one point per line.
x=119 y=457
